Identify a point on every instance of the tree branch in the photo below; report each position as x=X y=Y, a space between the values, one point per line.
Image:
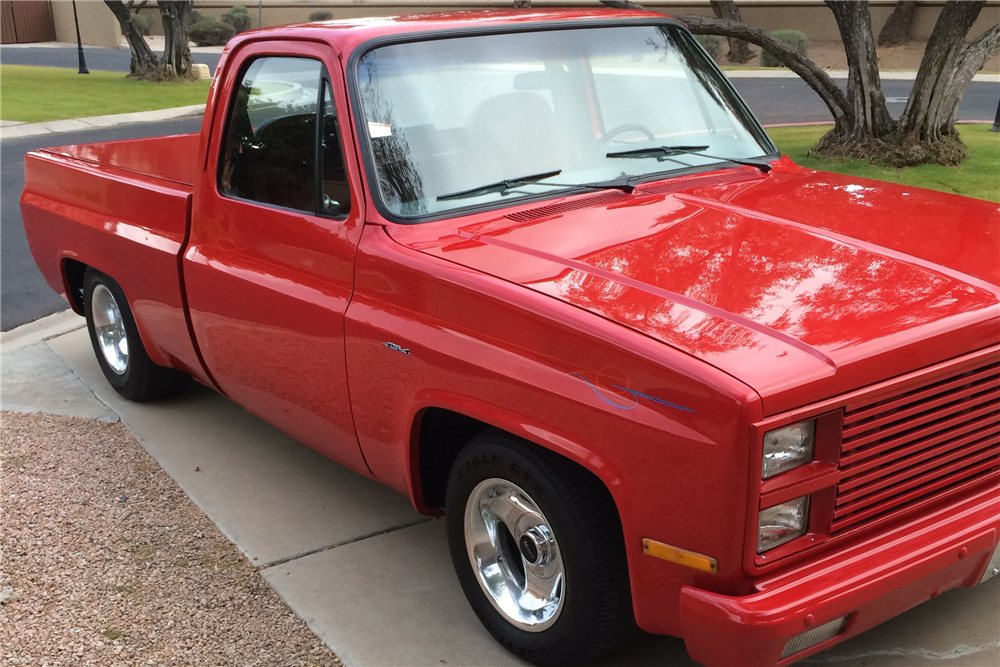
x=970 y=60
x=831 y=94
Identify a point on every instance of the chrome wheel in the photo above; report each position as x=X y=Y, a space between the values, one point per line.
x=109 y=327
x=514 y=554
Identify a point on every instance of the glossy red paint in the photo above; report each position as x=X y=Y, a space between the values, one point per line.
x=717 y=268
x=162 y=158
x=869 y=582
x=652 y=338
x=267 y=290
x=130 y=226
x=548 y=371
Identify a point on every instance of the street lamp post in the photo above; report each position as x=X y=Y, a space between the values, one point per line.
x=996 y=121
x=79 y=43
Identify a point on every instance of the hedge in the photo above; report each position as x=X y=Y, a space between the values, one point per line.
x=794 y=38
x=209 y=32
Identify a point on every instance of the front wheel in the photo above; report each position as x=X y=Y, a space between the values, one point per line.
x=537 y=546
x=119 y=350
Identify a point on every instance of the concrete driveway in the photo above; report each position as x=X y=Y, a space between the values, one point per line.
x=368 y=574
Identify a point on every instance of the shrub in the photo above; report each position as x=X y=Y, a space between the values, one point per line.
x=197 y=16
x=142 y=22
x=238 y=18
x=794 y=38
x=712 y=44
x=321 y=16
x=209 y=32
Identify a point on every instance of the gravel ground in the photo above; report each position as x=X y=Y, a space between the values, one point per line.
x=105 y=561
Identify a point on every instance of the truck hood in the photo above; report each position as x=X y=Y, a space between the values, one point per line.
x=801 y=284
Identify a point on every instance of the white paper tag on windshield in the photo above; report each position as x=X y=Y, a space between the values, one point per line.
x=376 y=130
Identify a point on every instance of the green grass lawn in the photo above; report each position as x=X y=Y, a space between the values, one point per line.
x=37 y=94
x=978 y=176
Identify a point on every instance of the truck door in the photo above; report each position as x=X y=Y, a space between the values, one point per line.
x=269 y=265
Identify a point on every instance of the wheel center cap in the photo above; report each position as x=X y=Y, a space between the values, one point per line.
x=528 y=549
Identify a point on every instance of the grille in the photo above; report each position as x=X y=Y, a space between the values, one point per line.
x=918 y=444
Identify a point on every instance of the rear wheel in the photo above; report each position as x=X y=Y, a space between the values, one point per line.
x=537 y=547
x=119 y=350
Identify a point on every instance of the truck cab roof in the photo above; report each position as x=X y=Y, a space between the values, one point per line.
x=348 y=34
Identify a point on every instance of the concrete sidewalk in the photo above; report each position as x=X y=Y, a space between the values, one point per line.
x=368 y=574
x=14 y=129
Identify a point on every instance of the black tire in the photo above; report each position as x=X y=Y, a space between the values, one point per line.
x=596 y=617
x=142 y=380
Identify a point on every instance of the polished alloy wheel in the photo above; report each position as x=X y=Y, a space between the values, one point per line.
x=514 y=554
x=109 y=326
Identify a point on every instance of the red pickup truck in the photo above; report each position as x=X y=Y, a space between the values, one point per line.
x=544 y=273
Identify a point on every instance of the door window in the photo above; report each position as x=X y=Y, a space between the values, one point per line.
x=271 y=142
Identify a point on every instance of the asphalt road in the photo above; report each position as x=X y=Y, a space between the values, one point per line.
x=793 y=101
x=110 y=60
x=24 y=294
x=773 y=100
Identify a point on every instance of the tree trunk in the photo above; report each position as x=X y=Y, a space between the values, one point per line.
x=831 y=94
x=522 y=4
x=176 y=60
x=927 y=125
x=898 y=24
x=970 y=60
x=739 y=49
x=143 y=64
x=864 y=85
x=623 y=4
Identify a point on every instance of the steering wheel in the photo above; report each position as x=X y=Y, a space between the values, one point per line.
x=603 y=141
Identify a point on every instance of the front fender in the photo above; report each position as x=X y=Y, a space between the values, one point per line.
x=667 y=434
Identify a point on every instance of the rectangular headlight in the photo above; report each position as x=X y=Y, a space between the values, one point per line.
x=788 y=448
x=782 y=523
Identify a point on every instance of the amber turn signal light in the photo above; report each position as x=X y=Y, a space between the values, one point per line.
x=680 y=556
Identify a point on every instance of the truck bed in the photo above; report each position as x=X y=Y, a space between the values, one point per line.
x=122 y=208
x=172 y=158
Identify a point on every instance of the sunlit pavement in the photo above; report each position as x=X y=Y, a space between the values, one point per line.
x=368 y=574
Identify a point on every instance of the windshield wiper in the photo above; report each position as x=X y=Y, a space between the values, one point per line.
x=500 y=186
x=666 y=152
x=623 y=183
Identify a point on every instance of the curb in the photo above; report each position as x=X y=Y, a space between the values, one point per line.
x=41 y=329
x=815 y=123
x=95 y=122
x=782 y=73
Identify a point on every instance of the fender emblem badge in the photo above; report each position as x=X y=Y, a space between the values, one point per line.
x=397 y=348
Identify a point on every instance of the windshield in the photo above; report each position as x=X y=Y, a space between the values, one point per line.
x=468 y=121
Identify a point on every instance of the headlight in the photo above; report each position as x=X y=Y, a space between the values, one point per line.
x=782 y=523
x=788 y=448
